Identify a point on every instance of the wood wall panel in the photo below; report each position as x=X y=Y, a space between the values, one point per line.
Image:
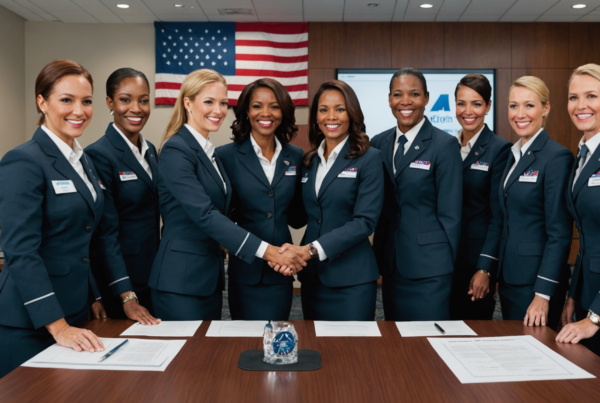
x=503 y=81
x=301 y=139
x=583 y=44
x=540 y=45
x=477 y=45
x=316 y=77
x=418 y=44
x=340 y=45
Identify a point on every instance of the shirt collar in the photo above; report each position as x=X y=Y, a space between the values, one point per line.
x=473 y=140
x=591 y=144
x=204 y=142
x=71 y=154
x=412 y=133
x=130 y=144
x=258 y=150
x=334 y=153
x=518 y=149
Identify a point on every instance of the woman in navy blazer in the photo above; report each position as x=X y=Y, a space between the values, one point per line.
x=416 y=239
x=537 y=228
x=342 y=190
x=264 y=170
x=583 y=201
x=50 y=202
x=187 y=277
x=127 y=167
x=484 y=158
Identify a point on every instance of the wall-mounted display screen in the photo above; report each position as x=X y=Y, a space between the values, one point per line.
x=373 y=86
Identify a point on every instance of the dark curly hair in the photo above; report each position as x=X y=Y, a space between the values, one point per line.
x=285 y=132
x=358 y=140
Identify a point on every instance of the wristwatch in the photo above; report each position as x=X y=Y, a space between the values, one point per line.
x=130 y=297
x=312 y=249
x=594 y=318
x=487 y=273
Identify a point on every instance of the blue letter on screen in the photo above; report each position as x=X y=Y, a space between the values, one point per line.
x=442 y=104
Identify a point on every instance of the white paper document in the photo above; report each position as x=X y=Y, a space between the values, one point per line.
x=419 y=329
x=164 y=329
x=504 y=359
x=346 y=329
x=236 y=328
x=135 y=355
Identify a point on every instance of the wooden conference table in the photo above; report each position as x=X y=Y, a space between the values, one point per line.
x=376 y=369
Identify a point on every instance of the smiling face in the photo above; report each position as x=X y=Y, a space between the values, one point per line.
x=68 y=108
x=264 y=112
x=131 y=105
x=584 y=104
x=407 y=101
x=526 y=113
x=332 y=115
x=471 y=109
x=208 y=109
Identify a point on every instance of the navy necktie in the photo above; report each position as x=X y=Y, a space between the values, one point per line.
x=583 y=154
x=399 y=152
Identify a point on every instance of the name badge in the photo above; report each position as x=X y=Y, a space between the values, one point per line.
x=291 y=171
x=305 y=179
x=529 y=176
x=65 y=186
x=480 y=166
x=426 y=165
x=348 y=173
x=594 y=179
x=101 y=185
x=127 y=176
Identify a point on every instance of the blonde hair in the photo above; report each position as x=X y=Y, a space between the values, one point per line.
x=590 y=69
x=193 y=84
x=535 y=85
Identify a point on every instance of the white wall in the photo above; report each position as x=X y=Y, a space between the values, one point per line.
x=12 y=73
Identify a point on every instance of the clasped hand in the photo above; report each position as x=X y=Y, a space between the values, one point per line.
x=287 y=260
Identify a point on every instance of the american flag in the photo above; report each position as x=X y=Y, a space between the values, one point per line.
x=241 y=52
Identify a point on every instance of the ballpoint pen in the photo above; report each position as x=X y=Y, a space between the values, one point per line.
x=111 y=352
x=437 y=326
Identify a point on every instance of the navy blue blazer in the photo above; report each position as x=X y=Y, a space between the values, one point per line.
x=481 y=213
x=537 y=227
x=419 y=227
x=45 y=235
x=342 y=217
x=126 y=242
x=583 y=203
x=265 y=209
x=193 y=204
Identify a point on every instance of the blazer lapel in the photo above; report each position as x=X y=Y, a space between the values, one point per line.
x=312 y=176
x=151 y=158
x=226 y=180
x=127 y=155
x=193 y=143
x=527 y=159
x=250 y=160
x=592 y=166
x=570 y=194
x=478 y=148
x=417 y=147
x=281 y=167
x=339 y=164
x=387 y=148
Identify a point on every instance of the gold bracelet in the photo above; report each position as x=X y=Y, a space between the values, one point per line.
x=487 y=273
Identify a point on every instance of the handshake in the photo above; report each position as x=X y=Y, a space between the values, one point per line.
x=287 y=260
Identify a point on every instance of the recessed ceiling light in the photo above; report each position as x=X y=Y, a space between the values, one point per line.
x=123 y=5
x=373 y=5
x=426 y=5
x=579 y=6
x=179 y=5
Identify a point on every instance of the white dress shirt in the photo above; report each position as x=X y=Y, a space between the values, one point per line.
x=464 y=151
x=267 y=166
x=591 y=144
x=140 y=156
x=209 y=149
x=73 y=155
x=322 y=170
x=410 y=137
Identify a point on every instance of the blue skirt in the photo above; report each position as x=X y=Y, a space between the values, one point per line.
x=260 y=301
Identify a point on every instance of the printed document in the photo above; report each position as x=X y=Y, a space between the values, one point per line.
x=236 y=328
x=164 y=329
x=346 y=329
x=419 y=329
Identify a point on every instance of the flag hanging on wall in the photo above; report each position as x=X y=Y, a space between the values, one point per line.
x=241 y=52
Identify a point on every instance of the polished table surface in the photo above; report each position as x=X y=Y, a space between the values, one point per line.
x=355 y=369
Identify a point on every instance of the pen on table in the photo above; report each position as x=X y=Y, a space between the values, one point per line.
x=111 y=352
x=436 y=325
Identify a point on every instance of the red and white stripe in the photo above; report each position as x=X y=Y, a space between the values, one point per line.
x=274 y=50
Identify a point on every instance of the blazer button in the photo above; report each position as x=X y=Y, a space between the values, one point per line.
x=271 y=194
x=88 y=229
x=241 y=257
x=85 y=259
x=222 y=211
x=318 y=221
x=151 y=226
x=269 y=215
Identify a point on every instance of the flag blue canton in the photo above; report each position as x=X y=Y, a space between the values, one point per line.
x=182 y=47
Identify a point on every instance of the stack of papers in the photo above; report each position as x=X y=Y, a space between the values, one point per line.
x=164 y=329
x=236 y=328
x=346 y=329
x=420 y=329
x=135 y=355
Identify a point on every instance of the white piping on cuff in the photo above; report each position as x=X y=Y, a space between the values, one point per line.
x=547 y=279
x=491 y=257
x=37 y=299
x=240 y=249
x=116 y=281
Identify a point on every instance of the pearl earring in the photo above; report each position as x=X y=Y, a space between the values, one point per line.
x=112 y=113
x=189 y=111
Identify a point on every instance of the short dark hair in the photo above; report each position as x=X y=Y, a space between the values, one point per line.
x=119 y=75
x=357 y=139
x=478 y=83
x=285 y=132
x=409 y=71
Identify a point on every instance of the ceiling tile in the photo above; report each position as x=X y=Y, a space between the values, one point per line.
x=416 y=13
x=232 y=18
x=519 y=18
x=20 y=10
x=448 y=17
x=494 y=8
x=328 y=7
x=360 y=7
x=400 y=10
x=367 y=18
x=211 y=7
x=136 y=8
x=416 y=18
x=76 y=18
x=99 y=11
x=273 y=7
x=480 y=17
x=183 y=17
x=562 y=10
x=323 y=17
x=529 y=7
x=280 y=18
x=558 y=18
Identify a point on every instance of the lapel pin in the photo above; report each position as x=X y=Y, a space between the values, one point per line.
x=416 y=147
x=528 y=152
x=286 y=162
x=476 y=153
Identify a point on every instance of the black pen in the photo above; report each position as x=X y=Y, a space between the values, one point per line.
x=111 y=352
x=440 y=328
